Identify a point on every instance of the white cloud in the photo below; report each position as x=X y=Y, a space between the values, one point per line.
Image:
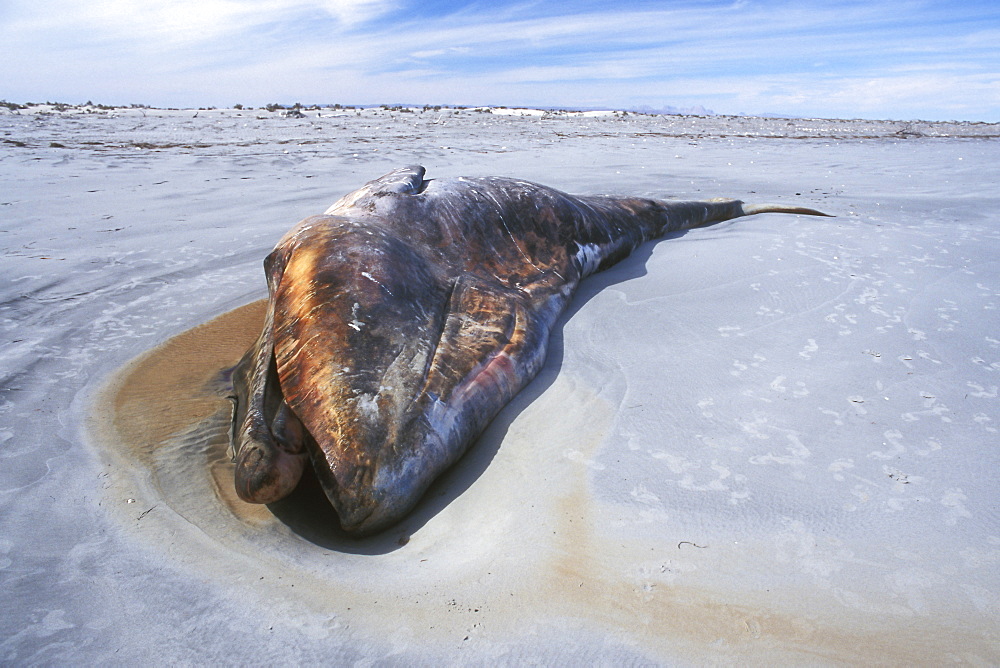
x=173 y=22
x=810 y=59
x=354 y=12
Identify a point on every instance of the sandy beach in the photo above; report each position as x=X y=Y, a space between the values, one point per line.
x=769 y=441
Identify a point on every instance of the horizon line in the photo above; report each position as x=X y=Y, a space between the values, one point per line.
x=645 y=110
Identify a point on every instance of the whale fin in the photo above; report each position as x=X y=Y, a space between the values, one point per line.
x=403 y=181
x=479 y=324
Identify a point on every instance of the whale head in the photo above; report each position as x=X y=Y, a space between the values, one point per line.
x=379 y=368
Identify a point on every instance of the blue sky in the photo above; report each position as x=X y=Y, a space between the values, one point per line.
x=897 y=59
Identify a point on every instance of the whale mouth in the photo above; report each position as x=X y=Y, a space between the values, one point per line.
x=267 y=440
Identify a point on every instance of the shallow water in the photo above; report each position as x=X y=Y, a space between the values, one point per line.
x=768 y=440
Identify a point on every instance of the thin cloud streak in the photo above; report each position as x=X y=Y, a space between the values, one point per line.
x=902 y=59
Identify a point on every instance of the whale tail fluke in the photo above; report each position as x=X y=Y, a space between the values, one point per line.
x=751 y=209
x=676 y=215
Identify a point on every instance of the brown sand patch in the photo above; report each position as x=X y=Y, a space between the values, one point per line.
x=176 y=386
x=169 y=388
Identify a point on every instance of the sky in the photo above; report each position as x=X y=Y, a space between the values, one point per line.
x=876 y=59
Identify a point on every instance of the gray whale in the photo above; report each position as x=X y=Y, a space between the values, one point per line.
x=403 y=319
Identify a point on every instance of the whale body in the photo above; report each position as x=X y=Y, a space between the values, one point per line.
x=403 y=319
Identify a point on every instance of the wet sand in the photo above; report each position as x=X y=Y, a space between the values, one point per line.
x=761 y=442
x=169 y=405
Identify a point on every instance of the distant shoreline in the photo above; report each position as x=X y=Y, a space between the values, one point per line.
x=295 y=109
